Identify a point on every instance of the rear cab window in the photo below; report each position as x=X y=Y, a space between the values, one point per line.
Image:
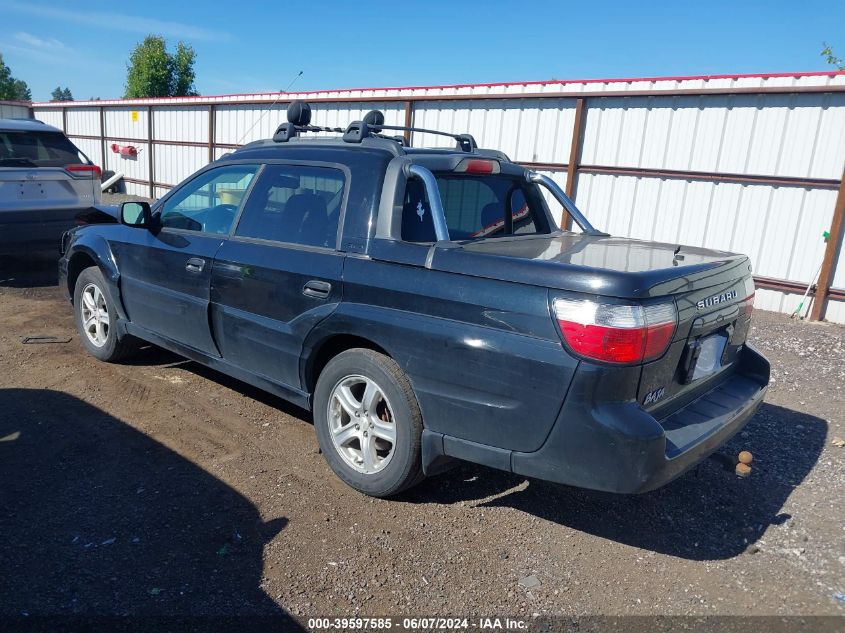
x=475 y=206
x=29 y=148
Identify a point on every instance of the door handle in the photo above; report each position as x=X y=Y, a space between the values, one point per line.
x=317 y=289
x=195 y=265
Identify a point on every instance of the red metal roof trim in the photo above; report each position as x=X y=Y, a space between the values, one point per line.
x=818 y=73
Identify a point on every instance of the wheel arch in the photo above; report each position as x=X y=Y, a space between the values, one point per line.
x=94 y=252
x=78 y=262
x=329 y=346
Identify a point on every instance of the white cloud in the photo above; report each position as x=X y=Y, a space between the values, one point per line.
x=53 y=53
x=120 y=22
x=50 y=44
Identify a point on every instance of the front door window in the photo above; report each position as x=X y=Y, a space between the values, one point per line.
x=208 y=203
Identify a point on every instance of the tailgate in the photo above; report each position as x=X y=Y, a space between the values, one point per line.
x=38 y=204
x=713 y=325
x=37 y=188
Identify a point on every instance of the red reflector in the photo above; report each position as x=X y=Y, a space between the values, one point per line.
x=82 y=171
x=616 y=333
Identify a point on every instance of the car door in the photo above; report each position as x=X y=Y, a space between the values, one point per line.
x=280 y=273
x=165 y=273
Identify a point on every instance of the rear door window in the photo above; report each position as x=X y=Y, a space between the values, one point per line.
x=295 y=204
x=19 y=148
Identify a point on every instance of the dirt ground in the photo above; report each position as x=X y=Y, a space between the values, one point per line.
x=159 y=487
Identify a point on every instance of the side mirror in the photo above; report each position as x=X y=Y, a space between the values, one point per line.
x=136 y=214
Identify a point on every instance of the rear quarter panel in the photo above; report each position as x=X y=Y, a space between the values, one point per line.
x=483 y=356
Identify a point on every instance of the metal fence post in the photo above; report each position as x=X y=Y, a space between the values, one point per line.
x=103 y=136
x=151 y=165
x=211 y=132
x=409 y=120
x=574 y=158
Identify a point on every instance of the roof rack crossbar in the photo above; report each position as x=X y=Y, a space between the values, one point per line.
x=466 y=141
x=319 y=128
x=299 y=120
x=287 y=131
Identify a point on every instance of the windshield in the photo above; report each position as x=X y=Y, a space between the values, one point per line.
x=36 y=149
x=475 y=206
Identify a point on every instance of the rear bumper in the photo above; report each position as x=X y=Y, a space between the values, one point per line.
x=619 y=447
x=626 y=450
x=36 y=231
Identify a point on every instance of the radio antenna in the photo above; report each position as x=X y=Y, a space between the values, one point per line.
x=275 y=101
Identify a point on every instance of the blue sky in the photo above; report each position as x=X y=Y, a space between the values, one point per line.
x=261 y=46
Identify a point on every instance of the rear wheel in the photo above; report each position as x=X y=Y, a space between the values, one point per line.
x=368 y=423
x=96 y=318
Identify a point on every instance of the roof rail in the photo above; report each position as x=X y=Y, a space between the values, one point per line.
x=299 y=120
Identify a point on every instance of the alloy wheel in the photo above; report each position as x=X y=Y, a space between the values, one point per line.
x=361 y=424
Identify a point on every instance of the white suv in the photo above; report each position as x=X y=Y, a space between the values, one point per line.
x=45 y=182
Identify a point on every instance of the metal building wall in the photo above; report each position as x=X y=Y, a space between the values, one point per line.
x=14 y=110
x=741 y=163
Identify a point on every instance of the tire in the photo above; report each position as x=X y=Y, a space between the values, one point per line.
x=100 y=336
x=363 y=456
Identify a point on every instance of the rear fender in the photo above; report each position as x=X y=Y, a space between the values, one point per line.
x=476 y=383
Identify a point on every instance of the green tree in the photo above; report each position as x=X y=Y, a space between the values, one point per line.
x=12 y=89
x=183 y=71
x=21 y=91
x=61 y=94
x=830 y=58
x=153 y=72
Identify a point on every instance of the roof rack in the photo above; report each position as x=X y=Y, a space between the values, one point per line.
x=299 y=120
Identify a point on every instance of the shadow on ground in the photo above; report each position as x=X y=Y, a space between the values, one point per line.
x=37 y=271
x=152 y=355
x=100 y=521
x=708 y=513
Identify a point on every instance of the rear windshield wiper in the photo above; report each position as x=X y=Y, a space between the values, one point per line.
x=17 y=162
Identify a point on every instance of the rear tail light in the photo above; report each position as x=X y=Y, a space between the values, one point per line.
x=84 y=171
x=747 y=304
x=611 y=333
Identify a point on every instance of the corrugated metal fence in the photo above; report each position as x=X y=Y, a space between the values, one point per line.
x=744 y=163
x=15 y=110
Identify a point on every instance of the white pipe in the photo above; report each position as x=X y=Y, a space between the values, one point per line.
x=108 y=183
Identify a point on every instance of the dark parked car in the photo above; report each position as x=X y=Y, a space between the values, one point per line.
x=426 y=307
x=46 y=182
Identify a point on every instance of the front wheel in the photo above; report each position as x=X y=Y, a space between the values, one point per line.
x=96 y=318
x=368 y=423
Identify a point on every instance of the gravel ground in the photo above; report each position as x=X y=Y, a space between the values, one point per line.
x=117 y=198
x=161 y=487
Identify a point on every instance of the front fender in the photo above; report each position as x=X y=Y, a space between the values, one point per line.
x=90 y=245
